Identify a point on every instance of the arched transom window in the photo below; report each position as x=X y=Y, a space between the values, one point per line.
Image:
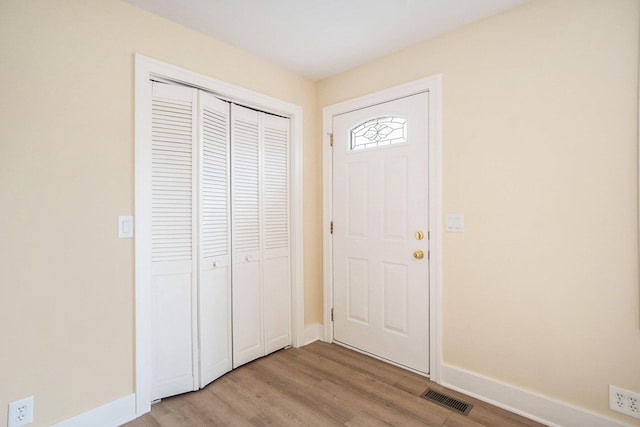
x=378 y=132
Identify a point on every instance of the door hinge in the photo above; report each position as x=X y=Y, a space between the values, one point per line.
x=428 y=255
x=331 y=139
x=331 y=227
x=332 y=314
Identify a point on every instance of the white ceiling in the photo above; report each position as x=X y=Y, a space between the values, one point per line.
x=321 y=38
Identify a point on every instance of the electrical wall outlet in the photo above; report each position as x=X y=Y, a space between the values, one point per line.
x=20 y=412
x=624 y=401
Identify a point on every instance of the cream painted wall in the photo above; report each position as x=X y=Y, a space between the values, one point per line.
x=540 y=116
x=66 y=172
x=539 y=152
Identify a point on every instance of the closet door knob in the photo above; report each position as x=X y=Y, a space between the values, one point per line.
x=215 y=263
x=247 y=258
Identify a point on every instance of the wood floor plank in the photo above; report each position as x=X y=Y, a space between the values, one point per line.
x=320 y=385
x=283 y=362
x=384 y=413
x=219 y=409
x=293 y=384
x=376 y=368
x=279 y=399
x=179 y=414
x=363 y=419
x=413 y=384
x=456 y=420
x=348 y=398
x=263 y=402
x=381 y=392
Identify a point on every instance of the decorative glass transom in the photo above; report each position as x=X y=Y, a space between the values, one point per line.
x=379 y=132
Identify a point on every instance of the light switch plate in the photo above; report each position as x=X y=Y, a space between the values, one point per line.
x=454 y=223
x=125 y=226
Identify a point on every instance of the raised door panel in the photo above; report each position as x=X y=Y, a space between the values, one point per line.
x=248 y=343
x=171 y=340
x=277 y=303
x=215 y=324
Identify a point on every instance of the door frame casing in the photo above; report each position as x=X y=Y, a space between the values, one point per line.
x=145 y=69
x=433 y=85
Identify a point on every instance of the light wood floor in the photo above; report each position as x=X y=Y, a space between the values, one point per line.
x=320 y=385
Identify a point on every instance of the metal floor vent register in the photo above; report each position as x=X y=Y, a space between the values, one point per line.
x=447 y=401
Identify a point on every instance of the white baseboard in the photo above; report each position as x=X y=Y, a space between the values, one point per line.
x=123 y=410
x=313 y=333
x=530 y=405
x=112 y=414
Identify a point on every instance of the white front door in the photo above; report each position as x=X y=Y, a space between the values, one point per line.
x=380 y=237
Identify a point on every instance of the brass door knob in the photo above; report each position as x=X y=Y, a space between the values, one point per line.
x=418 y=254
x=419 y=235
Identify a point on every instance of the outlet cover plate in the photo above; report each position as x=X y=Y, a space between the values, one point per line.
x=624 y=401
x=20 y=412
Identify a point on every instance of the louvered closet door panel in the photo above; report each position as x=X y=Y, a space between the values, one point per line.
x=214 y=305
x=245 y=181
x=248 y=341
x=275 y=232
x=172 y=241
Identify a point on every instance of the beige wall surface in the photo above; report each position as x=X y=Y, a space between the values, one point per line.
x=66 y=172
x=539 y=142
x=539 y=153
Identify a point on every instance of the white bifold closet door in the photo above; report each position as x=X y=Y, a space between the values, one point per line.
x=260 y=233
x=190 y=244
x=220 y=237
x=214 y=308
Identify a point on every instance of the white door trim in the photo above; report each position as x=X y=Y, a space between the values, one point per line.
x=145 y=68
x=433 y=86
